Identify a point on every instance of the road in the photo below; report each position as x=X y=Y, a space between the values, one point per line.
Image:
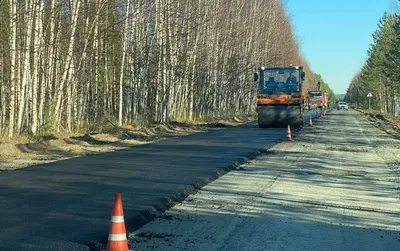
x=336 y=187
x=66 y=205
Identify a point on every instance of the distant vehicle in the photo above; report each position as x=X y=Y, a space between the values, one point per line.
x=317 y=100
x=342 y=105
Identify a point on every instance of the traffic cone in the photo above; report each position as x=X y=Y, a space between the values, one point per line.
x=117 y=233
x=288 y=134
x=310 y=121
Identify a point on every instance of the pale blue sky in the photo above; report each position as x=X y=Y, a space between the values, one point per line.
x=335 y=35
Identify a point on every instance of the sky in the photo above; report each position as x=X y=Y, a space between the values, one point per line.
x=335 y=35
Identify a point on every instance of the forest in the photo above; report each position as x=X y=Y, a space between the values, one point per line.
x=70 y=65
x=380 y=74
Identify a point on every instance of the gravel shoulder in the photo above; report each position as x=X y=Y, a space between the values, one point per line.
x=336 y=187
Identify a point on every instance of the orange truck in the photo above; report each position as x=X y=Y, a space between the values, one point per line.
x=317 y=100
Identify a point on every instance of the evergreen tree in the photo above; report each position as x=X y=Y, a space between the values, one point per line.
x=356 y=92
x=373 y=77
x=392 y=67
x=392 y=64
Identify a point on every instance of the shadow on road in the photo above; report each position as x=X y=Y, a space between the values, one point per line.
x=67 y=204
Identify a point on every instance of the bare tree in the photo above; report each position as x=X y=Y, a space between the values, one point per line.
x=137 y=62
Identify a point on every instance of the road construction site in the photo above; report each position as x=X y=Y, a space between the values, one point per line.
x=66 y=205
x=334 y=187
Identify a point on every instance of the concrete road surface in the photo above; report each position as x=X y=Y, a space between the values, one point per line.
x=65 y=205
x=337 y=187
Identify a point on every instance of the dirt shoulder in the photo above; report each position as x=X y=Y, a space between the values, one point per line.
x=388 y=124
x=22 y=152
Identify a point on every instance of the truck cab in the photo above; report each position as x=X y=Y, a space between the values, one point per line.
x=317 y=100
x=280 y=101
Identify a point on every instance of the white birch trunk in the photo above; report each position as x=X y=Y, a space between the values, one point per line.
x=26 y=72
x=122 y=72
x=36 y=71
x=43 y=81
x=50 y=71
x=14 y=73
x=68 y=65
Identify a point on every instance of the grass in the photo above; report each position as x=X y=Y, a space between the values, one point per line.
x=385 y=122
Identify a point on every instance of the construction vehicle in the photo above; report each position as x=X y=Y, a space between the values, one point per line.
x=280 y=101
x=317 y=100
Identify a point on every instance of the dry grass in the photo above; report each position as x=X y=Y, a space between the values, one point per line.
x=387 y=123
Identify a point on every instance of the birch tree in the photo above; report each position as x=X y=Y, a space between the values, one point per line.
x=74 y=65
x=68 y=70
x=13 y=72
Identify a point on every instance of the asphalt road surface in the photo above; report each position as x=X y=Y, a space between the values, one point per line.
x=66 y=205
x=336 y=187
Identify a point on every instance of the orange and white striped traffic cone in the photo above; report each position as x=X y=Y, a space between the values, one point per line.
x=117 y=233
x=310 y=121
x=288 y=134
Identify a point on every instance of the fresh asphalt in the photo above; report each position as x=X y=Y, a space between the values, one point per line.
x=334 y=188
x=66 y=205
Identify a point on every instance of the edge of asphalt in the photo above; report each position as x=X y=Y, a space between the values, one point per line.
x=154 y=211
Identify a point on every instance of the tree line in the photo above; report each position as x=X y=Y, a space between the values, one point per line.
x=380 y=75
x=70 y=65
x=332 y=97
